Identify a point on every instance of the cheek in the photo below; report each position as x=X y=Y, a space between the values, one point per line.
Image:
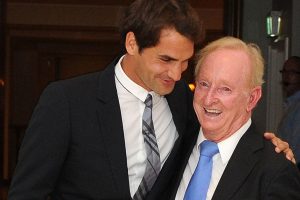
x=196 y=105
x=198 y=109
x=295 y=79
x=237 y=106
x=158 y=69
x=198 y=97
x=150 y=70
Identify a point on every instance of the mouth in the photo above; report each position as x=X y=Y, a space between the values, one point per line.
x=212 y=112
x=168 y=82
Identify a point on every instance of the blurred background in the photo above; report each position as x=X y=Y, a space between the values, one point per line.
x=47 y=40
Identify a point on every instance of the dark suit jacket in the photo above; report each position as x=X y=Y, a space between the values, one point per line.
x=255 y=171
x=74 y=146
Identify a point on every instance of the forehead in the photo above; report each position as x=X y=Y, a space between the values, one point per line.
x=230 y=65
x=291 y=65
x=174 y=44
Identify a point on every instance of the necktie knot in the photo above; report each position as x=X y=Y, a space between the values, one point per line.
x=208 y=148
x=148 y=101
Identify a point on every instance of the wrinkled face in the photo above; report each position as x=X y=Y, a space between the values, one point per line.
x=290 y=78
x=223 y=99
x=158 y=68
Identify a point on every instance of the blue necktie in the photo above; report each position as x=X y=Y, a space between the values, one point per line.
x=199 y=183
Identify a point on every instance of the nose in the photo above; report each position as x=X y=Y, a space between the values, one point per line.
x=175 y=72
x=211 y=96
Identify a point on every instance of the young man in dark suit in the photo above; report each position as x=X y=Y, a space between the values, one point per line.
x=85 y=139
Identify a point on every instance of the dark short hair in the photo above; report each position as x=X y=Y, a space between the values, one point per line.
x=147 y=18
x=293 y=60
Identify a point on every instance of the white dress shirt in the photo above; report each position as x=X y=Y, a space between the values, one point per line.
x=220 y=160
x=131 y=99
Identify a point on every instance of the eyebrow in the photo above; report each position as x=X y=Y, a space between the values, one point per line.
x=166 y=57
x=170 y=58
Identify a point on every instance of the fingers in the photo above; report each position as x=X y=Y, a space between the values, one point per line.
x=276 y=141
x=290 y=155
x=281 y=146
x=269 y=135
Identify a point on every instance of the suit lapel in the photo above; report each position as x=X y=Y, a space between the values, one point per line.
x=241 y=163
x=187 y=142
x=110 y=121
x=176 y=103
x=187 y=149
x=166 y=173
x=178 y=106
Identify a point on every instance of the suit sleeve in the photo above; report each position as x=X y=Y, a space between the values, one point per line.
x=43 y=148
x=285 y=184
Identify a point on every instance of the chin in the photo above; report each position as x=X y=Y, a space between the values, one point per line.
x=208 y=127
x=164 y=91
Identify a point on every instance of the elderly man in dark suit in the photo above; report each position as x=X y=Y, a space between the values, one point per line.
x=116 y=134
x=242 y=164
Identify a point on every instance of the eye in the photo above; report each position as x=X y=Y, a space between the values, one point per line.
x=225 y=90
x=203 y=84
x=165 y=59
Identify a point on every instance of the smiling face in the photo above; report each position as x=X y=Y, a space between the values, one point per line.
x=158 y=68
x=223 y=98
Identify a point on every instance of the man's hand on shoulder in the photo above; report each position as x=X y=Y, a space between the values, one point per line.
x=281 y=146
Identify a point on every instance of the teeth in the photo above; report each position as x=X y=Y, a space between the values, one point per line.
x=214 y=111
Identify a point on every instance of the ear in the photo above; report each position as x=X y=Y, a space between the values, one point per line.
x=131 y=44
x=255 y=96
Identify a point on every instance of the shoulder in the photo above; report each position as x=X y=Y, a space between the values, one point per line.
x=274 y=162
x=181 y=85
x=71 y=89
x=87 y=82
x=82 y=81
x=262 y=150
x=181 y=90
x=279 y=174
